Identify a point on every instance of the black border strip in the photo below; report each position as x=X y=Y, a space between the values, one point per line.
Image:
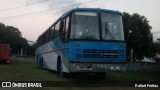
x=90 y=83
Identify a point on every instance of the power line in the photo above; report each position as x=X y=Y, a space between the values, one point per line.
x=47 y=10
x=39 y=12
x=4 y=10
x=21 y=15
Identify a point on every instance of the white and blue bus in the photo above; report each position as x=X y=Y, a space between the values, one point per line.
x=87 y=40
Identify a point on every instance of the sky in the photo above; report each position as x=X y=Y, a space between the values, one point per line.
x=33 y=17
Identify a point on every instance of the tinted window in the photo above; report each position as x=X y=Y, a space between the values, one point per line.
x=66 y=28
x=56 y=32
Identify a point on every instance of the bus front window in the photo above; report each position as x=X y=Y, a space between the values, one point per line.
x=112 y=28
x=85 y=25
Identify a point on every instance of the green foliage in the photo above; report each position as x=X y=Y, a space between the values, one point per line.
x=11 y=35
x=31 y=50
x=138 y=36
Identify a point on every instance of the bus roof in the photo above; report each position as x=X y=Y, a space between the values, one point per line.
x=90 y=9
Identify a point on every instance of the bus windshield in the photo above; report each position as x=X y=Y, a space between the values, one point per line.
x=85 y=25
x=112 y=28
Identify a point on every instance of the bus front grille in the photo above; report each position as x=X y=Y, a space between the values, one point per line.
x=96 y=53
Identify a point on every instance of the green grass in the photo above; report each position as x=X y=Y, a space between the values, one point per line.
x=133 y=76
x=25 y=71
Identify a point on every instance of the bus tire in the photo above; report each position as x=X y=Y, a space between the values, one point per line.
x=60 y=68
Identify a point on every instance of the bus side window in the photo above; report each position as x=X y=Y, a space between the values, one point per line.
x=47 y=36
x=39 y=41
x=52 y=32
x=66 y=29
x=56 y=32
x=43 y=39
x=62 y=30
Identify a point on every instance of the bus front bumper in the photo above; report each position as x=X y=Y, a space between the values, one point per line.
x=96 y=67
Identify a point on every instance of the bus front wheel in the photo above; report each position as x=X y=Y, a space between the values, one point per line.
x=60 y=69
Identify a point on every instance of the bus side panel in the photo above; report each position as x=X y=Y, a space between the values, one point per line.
x=60 y=49
x=50 y=52
x=50 y=60
x=49 y=56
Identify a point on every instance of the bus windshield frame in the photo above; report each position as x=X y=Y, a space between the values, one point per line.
x=90 y=25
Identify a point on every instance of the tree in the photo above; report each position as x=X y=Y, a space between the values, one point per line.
x=12 y=36
x=31 y=50
x=138 y=35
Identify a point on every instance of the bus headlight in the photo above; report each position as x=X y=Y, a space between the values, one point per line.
x=112 y=68
x=118 y=68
